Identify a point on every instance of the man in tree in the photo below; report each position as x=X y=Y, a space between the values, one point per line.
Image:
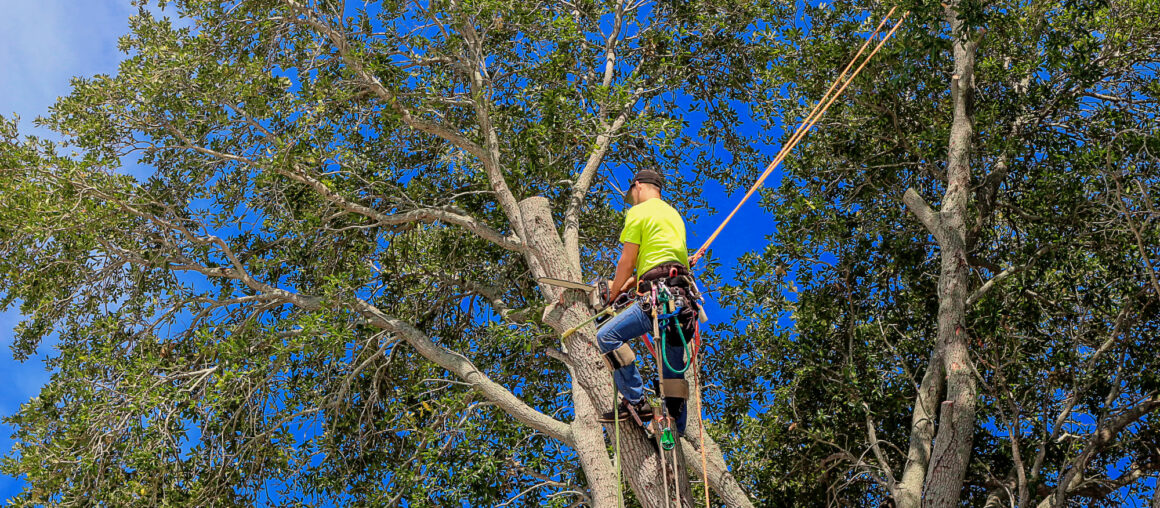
x=654 y=246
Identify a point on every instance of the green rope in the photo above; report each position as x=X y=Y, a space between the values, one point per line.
x=663 y=351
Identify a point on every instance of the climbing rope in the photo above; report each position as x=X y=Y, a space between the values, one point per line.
x=670 y=319
x=663 y=300
x=808 y=123
x=684 y=347
x=657 y=430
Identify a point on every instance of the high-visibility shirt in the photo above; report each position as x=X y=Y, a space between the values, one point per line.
x=660 y=232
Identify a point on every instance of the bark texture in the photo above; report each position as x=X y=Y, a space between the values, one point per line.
x=1156 y=494
x=952 y=446
x=921 y=433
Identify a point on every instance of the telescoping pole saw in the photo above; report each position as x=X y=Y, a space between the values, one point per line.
x=609 y=309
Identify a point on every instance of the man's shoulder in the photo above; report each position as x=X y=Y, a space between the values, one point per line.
x=664 y=208
x=653 y=205
x=638 y=210
x=655 y=208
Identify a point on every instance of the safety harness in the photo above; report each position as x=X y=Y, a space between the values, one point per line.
x=677 y=302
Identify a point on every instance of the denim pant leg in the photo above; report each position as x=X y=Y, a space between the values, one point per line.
x=628 y=325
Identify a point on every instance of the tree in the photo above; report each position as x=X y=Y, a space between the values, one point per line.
x=1035 y=123
x=327 y=287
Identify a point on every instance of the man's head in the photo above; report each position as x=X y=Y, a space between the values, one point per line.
x=647 y=184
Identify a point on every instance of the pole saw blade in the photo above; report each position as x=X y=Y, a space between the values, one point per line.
x=566 y=284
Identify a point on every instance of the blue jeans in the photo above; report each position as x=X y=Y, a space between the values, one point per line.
x=630 y=324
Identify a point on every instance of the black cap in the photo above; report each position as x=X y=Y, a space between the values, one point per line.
x=649 y=176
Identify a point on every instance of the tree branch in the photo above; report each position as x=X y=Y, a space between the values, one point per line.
x=872 y=436
x=463 y=368
x=491 y=153
x=453 y=362
x=603 y=139
x=584 y=183
x=426 y=215
x=922 y=211
x=1106 y=431
x=340 y=41
x=1136 y=233
x=1005 y=274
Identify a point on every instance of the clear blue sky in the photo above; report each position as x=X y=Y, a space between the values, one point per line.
x=47 y=42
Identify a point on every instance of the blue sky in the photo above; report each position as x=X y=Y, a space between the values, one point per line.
x=47 y=42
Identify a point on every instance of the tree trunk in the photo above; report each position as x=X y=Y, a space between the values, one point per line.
x=921 y=434
x=951 y=453
x=952 y=445
x=591 y=381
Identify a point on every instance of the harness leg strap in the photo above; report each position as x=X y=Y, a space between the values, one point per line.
x=620 y=357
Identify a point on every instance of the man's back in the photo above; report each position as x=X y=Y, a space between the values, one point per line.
x=659 y=231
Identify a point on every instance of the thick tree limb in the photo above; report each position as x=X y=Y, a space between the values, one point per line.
x=610 y=44
x=921 y=211
x=464 y=369
x=455 y=363
x=909 y=494
x=720 y=479
x=943 y=482
x=1156 y=495
x=583 y=184
x=482 y=105
x=603 y=139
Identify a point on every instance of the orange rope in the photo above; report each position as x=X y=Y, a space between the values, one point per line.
x=808 y=122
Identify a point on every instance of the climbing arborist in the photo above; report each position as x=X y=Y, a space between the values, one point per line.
x=654 y=248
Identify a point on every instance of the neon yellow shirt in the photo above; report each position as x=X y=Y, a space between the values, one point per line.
x=660 y=232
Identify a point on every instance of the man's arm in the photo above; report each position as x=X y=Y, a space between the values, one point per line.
x=624 y=269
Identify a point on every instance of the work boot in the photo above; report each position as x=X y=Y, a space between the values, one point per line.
x=643 y=410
